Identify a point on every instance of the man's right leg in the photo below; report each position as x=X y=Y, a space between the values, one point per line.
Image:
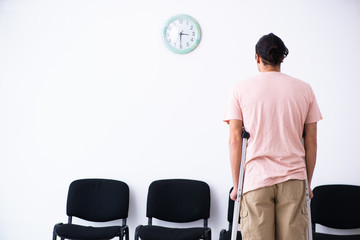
x=258 y=214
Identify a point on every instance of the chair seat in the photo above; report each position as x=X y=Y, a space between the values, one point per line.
x=164 y=233
x=77 y=232
x=323 y=236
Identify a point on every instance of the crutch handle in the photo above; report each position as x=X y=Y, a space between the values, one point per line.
x=245 y=134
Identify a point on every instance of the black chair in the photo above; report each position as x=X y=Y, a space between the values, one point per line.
x=95 y=200
x=177 y=201
x=226 y=234
x=336 y=206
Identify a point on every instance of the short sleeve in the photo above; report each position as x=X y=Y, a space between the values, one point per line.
x=314 y=114
x=233 y=109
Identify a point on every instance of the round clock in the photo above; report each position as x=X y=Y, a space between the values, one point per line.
x=181 y=34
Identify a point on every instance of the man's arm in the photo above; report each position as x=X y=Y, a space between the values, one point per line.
x=235 y=147
x=310 y=144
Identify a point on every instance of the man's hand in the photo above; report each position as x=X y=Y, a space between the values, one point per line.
x=311 y=194
x=233 y=194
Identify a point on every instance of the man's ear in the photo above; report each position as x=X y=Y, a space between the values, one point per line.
x=257 y=57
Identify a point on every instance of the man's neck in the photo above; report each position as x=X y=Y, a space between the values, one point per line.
x=269 y=68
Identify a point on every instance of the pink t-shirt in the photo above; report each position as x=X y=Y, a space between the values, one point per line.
x=274 y=108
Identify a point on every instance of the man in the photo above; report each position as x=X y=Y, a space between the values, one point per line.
x=275 y=109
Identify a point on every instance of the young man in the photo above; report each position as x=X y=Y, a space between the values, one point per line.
x=275 y=109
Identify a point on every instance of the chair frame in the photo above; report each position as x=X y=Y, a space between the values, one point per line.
x=151 y=216
x=124 y=229
x=337 y=202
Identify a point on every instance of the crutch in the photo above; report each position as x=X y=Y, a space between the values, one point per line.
x=309 y=229
x=245 y=135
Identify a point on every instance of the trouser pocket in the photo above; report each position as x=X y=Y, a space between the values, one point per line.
x=244 y=223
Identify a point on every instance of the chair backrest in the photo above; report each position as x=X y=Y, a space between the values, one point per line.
x=178 y=200
x=336 y=206
x=98 y=200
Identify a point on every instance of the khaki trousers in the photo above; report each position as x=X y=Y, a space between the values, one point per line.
x=277 y=212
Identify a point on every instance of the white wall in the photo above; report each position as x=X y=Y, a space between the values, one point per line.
x=87 y=89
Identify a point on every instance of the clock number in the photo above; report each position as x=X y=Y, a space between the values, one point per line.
x=192 y=39
x=191 y=27
x=193 y=33
x=187 y=44
x=180 y=21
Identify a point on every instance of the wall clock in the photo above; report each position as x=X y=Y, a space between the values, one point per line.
x=181 y=34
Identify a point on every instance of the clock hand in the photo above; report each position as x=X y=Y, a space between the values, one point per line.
x=181 y=33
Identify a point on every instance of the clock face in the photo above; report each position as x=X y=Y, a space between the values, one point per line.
x=182 y=34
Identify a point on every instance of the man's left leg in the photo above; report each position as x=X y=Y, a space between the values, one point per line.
x=291 y=216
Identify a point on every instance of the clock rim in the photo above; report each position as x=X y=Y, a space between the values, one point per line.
x=185 y=17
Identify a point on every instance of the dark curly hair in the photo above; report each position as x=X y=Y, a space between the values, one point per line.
x=271 y=49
